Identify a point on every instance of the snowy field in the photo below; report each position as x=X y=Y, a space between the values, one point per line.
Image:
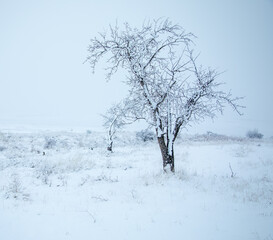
x=65 y=185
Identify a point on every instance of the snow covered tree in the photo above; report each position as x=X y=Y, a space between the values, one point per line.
x=117 y=117
x=167 y=87
x=114 y=119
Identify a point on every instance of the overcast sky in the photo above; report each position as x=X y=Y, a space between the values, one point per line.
x=43 y=45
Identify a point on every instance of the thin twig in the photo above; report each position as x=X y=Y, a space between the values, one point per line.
x=232 y=173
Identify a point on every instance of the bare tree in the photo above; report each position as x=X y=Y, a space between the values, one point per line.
x=112 y=121
x=119 y=115
x=167 y=87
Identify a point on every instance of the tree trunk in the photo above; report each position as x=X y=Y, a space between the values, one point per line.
x=110 y=146
x=168 y=159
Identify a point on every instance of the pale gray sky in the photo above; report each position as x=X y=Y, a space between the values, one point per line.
x=43 y=46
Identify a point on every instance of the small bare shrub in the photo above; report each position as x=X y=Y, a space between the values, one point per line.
x=145 y=135
x=50 y=143
x=15 y=190
x=44 y=173
x=2 y=148
x=88 y=132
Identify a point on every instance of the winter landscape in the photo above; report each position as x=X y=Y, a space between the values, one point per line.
x=129 y=120
x=66 y=185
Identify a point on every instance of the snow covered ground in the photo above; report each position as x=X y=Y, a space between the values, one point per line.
x=65 y=185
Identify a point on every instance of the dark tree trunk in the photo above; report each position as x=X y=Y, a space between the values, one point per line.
x=110 y=147
x=168 y=159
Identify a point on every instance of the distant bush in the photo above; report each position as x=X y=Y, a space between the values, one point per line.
x=2 y=148
x=50 y=143
x=210 y=136
x=145 y=135
x=88 y=132
x=254 y=134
